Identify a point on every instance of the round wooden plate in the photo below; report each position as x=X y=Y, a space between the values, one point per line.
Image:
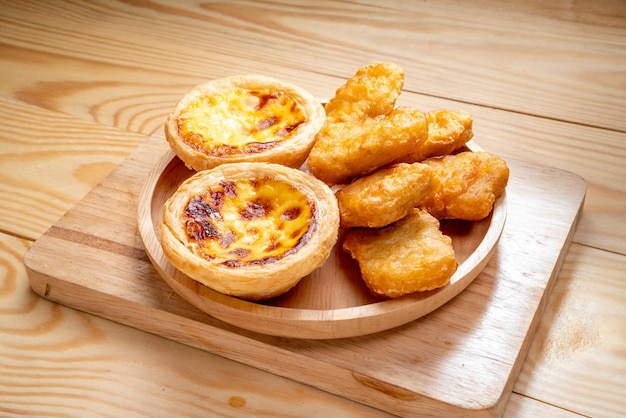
x=333 y=301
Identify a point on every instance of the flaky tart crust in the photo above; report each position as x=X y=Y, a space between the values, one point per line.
x=243 y=119
x=250 y=230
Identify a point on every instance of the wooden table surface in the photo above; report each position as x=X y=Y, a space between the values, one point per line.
x=82 y=84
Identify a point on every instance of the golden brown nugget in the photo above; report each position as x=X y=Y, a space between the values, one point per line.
x=370 y=92
x=448 y=131
x=385 y=196
x=347 y=150
x=363 y=130
x=470 y=184
x=411 y=255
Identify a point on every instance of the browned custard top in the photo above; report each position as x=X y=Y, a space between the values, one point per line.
x=248 y=222
x=239 y=121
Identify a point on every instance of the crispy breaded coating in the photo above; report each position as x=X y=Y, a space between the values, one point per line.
x=346 y=150
x=385 y=196
x=372 y=91
x=448 y=131
x=470 y=184
x=410 y=255
x=364 y=130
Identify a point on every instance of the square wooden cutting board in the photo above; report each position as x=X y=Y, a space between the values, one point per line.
x=462 y=359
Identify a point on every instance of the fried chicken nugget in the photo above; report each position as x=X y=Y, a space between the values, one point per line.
x=363 y=130
x=470 y=184
x=448 y=131
x=372 y=91
x=346 y=150
x=385 y=196
x=410 y=255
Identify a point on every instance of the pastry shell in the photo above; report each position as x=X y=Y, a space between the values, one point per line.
x=285 y=191
x=242 y=119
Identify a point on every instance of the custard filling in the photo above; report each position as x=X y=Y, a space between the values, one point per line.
x=239 y=121
x=248 y=222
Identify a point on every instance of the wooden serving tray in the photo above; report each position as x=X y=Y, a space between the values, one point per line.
x=463 y=358
x=331 y=302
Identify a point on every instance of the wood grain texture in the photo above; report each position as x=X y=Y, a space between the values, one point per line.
x=597 y=155
x=47 y=166
x=331 y=302
x=543 y=80
x=586 y=333
x=525 y=407
x=521 y=42
x=456 y=63
x=483 y=352
x=142 y=366
x=93 y=367
x=120 y=370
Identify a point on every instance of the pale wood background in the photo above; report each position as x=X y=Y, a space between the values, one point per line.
x=83 y=83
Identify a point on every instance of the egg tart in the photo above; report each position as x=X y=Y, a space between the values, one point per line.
x=244 y=119
x=250 y=230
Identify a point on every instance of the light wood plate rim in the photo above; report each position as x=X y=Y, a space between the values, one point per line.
x=308 y=323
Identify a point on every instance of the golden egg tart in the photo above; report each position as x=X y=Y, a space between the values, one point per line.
x=242 y=119
x=250 y=230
